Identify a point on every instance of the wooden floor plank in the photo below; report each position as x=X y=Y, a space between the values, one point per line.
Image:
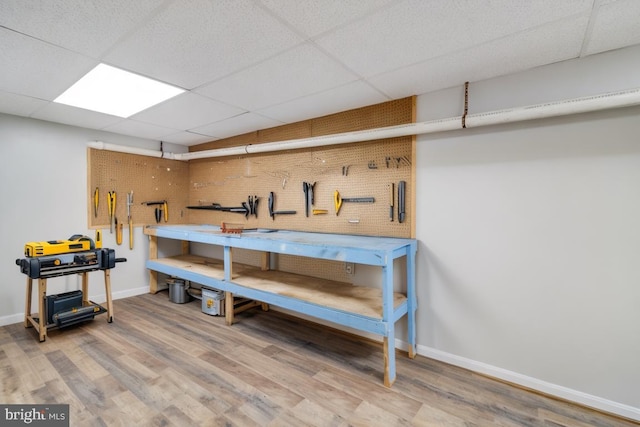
x=166 y=364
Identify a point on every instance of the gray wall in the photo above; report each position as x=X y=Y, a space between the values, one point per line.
x=529 y=236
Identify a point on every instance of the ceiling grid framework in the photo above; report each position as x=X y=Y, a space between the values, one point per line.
x=253 y=64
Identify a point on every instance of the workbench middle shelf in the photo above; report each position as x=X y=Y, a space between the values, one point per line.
x=272 y=285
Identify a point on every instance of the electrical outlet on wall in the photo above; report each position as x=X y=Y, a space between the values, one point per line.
x=349 y=267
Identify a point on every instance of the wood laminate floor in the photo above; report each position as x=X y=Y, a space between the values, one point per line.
x=168 y=364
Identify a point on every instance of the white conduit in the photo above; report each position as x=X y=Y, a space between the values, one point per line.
x=587 y=104
x=99 y=145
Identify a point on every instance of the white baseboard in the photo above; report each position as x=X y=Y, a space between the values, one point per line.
x=532 y=383
x=11 y=319
x=19 y=317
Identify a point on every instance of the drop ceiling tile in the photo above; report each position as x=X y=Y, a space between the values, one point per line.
x=616 y=25
x=314 y=17
x=187 y=111
x=500 y=57
x=19 y=105
x=412 y=31
x=187 y=138
x=61 y=113
x=349 y=96
x=237 y=125
x=194 y=42
x=44 y=72
x=298 y=72
x=140 y=129
x=86 y=26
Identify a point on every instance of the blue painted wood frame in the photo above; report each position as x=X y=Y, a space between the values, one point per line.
x=369 y=250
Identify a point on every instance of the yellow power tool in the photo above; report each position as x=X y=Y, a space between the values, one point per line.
x=75 y=243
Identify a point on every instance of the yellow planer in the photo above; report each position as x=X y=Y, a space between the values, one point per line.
x=75 y=243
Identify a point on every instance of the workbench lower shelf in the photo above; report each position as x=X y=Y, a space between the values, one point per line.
x=359 y=306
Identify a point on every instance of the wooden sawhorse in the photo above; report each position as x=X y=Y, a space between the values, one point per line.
x=39 y=323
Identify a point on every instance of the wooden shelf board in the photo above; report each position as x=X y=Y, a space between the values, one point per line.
x=361 y=300
x=209 y=267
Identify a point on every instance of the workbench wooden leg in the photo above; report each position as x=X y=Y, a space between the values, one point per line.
x=27 y=305
x=42 y=312
x=153 y=254
x=228 y=308
x=389 y=361
x=107 y=289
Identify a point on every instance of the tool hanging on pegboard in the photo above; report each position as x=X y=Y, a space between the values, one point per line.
x=111 y=204
x=130 y=218
x=338 y=200
x=401 y=201
x=273 y=212
x=309 y=200
x=158 y=212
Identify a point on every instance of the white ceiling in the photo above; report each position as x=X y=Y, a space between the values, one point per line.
x=255 y=64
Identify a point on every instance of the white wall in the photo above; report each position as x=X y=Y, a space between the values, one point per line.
x=530 y=236
x=43 y=173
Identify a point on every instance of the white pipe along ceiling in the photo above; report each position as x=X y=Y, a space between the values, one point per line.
x=625 y=98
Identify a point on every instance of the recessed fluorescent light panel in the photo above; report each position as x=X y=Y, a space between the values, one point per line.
x=109 y=90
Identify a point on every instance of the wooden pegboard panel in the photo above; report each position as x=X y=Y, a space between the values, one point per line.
x=234 y=141
x=355 y=170
x=282 y=133
x=375 y=116
x=151 y=179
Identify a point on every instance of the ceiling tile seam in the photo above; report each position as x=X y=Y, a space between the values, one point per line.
x=129 y=120
x=389 y=4
x=595 y=8
x=134 y=29
x=237 y=115
x=312 y=42
x=53 y=45
x=25 y=96
x=217 y=121
x=244 y=68
x=476 y=46
x=260 y=111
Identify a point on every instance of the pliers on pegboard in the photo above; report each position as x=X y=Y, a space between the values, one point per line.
x=251 y=206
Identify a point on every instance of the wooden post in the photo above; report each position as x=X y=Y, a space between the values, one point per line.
x=42 y=313
x=228 y=308
x=107 y=289
x=388 y=380
x=27 y=306
x=265 y=265
x=85 y=289
x=153 y=254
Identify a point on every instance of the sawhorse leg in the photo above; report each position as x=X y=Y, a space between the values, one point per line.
x=27 y=306
x=107 y=289
x=42 y=312
x=40 y=325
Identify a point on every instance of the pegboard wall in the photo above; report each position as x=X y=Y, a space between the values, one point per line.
x=360 y=170
x=150 y=179
x=354 y=170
